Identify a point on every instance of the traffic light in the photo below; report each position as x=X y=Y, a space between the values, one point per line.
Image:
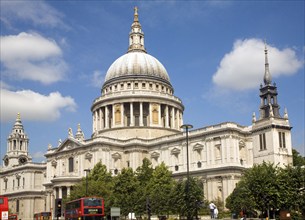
x=58 y=206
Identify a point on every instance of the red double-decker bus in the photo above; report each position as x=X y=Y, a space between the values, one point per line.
x=43 y=216
x=3 y=207
x=86 y=208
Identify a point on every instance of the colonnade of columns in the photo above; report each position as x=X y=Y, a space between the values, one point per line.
x=20 y=144
x=137 y=114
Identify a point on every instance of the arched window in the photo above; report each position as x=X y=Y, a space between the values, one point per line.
x=71 y=164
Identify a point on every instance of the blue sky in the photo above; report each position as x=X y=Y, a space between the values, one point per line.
x=55 y=54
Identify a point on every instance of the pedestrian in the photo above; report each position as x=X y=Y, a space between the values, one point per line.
x=215 y=212
x=212 y=206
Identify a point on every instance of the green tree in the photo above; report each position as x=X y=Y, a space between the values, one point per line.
x=297 y=159
x=100 y=183
x=292 y=188
x=179 y=197
x=125 y=191
x=241 y=199
x=160 y=187
x=144 y=175
x=261 y=182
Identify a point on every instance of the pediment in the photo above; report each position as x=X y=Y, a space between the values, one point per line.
x=155 y=155
x=88 y=156
x=175 y=151
x=68 y=144
x=116 y=156
x=198 y=147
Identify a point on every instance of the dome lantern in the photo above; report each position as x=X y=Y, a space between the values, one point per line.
x=136 y=36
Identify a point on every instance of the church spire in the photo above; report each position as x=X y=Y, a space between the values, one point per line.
x=136 y=36
x=269 y=107
x=267 y=76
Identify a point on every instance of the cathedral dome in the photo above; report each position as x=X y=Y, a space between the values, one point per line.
x=137 y=63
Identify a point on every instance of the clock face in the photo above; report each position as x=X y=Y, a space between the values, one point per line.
x=22 y=160
x=6 y=161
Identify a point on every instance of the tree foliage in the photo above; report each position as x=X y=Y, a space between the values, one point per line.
x=160 y=187
x=130 y=190
x=297 y=159
x=179 y=197
x=267 y=187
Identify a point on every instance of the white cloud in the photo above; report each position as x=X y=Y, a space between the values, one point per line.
x=97 y=79
x=33 y=106
x=243 y=68
x=4 y=85
x=32 y=57
x=38 y=156
x=36 y=12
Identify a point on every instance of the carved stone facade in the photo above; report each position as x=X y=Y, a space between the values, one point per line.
x=137 y=116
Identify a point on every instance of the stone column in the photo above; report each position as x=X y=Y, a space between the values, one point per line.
x=208 y=143
x=228 y=148
x=131 y=115
x=54 y=193
x=68 y=190
x=95 y=121
x=48 y=201
x=113 y=116
x=223 y=148
x=106 y=117
x=59 y=192
x=159 y=115
x=177 y=118
x=150 y=115
x=101 y=119
x=235 y=145
x=122 y=114
x=166 y=117
x=141 y=113
x=173 y=117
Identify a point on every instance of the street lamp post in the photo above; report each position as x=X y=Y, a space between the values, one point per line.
x=187 y=127
x=87 y=171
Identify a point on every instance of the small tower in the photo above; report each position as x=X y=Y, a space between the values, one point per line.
x=17 y=146
x=271 y=132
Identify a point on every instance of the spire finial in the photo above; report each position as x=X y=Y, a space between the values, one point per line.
x=267 y=76
x=18 y=116
x=136 y=18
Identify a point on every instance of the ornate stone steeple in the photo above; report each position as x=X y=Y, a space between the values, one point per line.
x=136 y=36
x=79 y=134
x=17 y=145
x=268 y=93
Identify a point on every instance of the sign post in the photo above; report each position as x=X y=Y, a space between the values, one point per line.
x=4 y=215
x=115 y=213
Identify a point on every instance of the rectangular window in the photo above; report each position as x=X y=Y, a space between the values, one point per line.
x=282 y=141
x=18 y=182
x=71 y=163
x=5 y=183
x=262 y=141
